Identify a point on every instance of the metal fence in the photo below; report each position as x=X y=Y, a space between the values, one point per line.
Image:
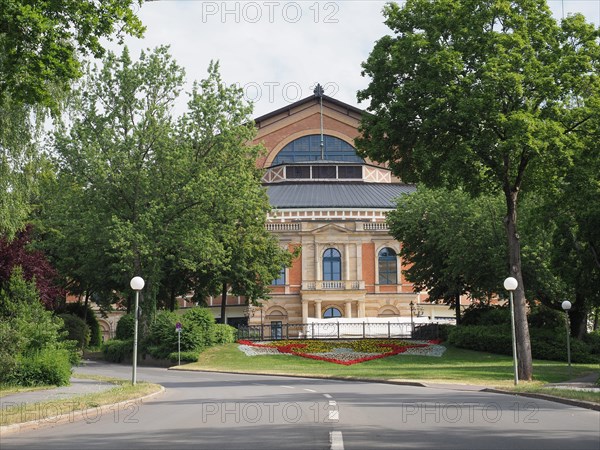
x=336 y=330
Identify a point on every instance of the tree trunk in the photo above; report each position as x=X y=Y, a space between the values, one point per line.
x=457 y=304
x=223 y=303
x=525 y=365
x=172 y=300
x=578 y=317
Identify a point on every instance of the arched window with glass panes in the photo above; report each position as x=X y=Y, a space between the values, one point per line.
x=332 y=313
x=388 y=266
x=332 y=265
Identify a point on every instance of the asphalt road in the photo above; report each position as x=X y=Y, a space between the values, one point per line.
x=227 y=411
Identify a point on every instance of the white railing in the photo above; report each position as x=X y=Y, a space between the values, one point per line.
x=333 y=285
x=283 y=226
x=377 y=226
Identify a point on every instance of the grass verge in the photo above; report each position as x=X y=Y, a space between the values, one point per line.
x=455 y=366
x=68 y=407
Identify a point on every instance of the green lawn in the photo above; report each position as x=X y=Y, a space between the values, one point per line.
x=455 y=366
x=122 y=391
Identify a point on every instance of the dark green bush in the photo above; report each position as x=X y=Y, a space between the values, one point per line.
x=552 y=344
x=49 y=366
x=77 y=330
x=204 y=321
x=541 y=316
x=162 y=337
x=493 y=339
x=125 y=327
x=444 y=331
x=545 y=344
x=224 y=334
x=79 y=309
x=486 y=315
x=593 y=341
x=117 y=350
x=186 y=357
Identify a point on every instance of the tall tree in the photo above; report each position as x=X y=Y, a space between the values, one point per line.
x=437 y=229
x=483 y=94
x=41 y=48
x=175 y=201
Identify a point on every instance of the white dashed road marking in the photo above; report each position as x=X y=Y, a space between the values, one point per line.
x=336 y=440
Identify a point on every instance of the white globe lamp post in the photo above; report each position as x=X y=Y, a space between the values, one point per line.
x=510 y=284
x=137 y=284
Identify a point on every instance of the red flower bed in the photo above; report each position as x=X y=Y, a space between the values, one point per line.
x=293 y=349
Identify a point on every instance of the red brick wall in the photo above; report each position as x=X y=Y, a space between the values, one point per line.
x=368 y=267
x=295 y=271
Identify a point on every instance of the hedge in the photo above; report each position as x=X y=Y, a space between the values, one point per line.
x=117 y=350
x=224 y=334
x=545 y=344
x=49 y=366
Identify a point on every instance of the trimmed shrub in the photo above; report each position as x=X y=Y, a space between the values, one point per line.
x=493 y=339
x=125 y=327
x=204 y=320
x=187 y=357
x=117 y=350
x=545 y=344
x=47 y=366
x=224 y=334
x=77 y=330
x=162 y=337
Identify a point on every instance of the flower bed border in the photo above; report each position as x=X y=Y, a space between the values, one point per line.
x=292 y=348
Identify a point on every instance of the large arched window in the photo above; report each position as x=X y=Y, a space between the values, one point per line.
x=332 y=265
x=308 y=148
x=388 y=266
x=332 y=313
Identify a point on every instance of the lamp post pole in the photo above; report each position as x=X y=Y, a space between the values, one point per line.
x=137 y=284
x=566 y=305
x=510 y=284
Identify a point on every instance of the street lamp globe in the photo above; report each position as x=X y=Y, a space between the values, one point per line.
x=137 y=283
x=566 y=305
x=510 y=284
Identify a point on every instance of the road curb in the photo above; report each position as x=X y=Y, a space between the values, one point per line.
x=552 y=398
x=90 y=414
x=458 y=387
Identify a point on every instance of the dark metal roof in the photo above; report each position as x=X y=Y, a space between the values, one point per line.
x=336 y=195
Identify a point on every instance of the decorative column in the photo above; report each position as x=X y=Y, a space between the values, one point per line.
x=304 y=311
x=318 y=263
x=318 y=309
x=346 y=262
x=348 y=313
x=361 y=308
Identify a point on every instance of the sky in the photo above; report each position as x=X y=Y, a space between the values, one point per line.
x=277 y=50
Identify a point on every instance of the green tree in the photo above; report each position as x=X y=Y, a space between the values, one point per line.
x=177 y=201
x=437 y=229
x=485 y=94
x=41 y=47
x=247 y=257
x=41 y=42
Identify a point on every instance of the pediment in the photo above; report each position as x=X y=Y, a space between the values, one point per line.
x=331 y=228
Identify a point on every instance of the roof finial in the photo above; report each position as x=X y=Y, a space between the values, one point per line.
x=319 y=92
